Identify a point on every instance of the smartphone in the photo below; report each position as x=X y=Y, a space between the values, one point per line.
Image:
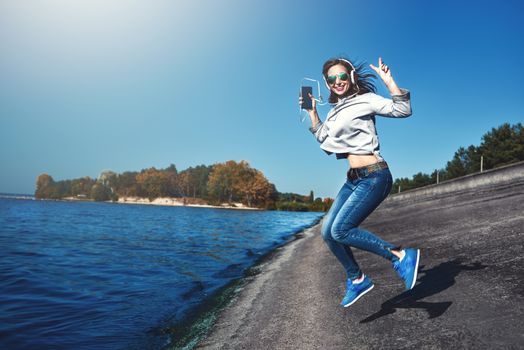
x=306 y=100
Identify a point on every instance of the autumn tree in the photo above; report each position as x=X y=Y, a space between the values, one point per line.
x=45 y=186
x=251 y=185
x=327 y=203
x=153 y=183
x=193 y=181
x=221 y=180
x=232 y=181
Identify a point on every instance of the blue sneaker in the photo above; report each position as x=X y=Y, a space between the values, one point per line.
x=355 y=291
x=407 y=268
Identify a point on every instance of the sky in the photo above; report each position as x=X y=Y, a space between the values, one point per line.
x=124 y=85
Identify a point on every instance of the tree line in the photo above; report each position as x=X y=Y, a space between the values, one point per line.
x=233 y=182
x=499 y=146
x=229 y=182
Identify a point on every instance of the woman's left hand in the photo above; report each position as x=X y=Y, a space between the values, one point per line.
x=383 y=72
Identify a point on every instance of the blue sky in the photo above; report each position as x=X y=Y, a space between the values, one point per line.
x=92 y=85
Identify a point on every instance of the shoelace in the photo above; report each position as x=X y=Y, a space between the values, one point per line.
x=350 y=286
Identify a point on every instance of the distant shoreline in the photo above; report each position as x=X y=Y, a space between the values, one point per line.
x=17 y=196
x=177 y=202
x=162 y=201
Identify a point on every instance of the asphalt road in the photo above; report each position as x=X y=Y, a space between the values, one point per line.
x=469 y=294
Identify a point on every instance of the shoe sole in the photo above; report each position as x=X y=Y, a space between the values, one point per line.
x=416 y=271
x=360 y=296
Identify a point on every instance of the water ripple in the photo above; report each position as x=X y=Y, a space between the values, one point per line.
x=97 y=275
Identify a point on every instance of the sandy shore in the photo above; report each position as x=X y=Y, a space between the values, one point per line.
x=169 y=201
x=469 y=293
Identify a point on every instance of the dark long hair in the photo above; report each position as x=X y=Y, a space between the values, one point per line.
x=364 y=77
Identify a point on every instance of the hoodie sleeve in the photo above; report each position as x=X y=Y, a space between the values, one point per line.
x=399 y=106
x=320 y=131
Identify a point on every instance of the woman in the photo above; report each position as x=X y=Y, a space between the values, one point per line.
x=349 y=131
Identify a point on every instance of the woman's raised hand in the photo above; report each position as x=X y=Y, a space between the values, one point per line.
x=383 y=71
x=385 y=74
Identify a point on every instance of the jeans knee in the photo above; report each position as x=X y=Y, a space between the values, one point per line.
x=340 y=234
x=325 y=230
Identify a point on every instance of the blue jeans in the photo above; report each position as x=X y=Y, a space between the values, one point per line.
x=354 y=202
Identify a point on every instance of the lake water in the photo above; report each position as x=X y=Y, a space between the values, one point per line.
x=84 y=275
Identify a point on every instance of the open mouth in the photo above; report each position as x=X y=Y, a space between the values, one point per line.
x=340 y=88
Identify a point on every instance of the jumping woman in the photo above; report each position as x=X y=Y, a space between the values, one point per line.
x=349 y=132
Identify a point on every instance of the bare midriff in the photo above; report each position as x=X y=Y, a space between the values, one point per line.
x=361 y=160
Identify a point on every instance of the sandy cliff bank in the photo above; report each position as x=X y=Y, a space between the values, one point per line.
x=169 y=201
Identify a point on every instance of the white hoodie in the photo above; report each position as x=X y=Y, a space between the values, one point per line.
x=350 y=124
